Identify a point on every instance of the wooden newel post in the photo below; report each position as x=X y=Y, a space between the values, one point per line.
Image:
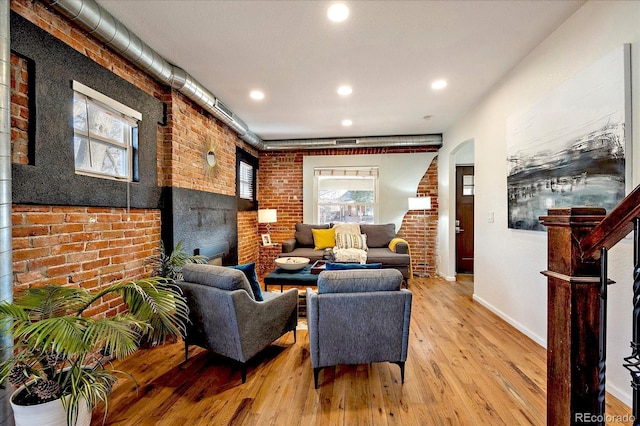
x=573 y=318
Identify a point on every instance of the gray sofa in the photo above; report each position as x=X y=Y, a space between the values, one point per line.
x=378 y=239
x=225 y=317
x=358 y=317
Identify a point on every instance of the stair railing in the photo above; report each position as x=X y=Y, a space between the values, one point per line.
x=579 y=239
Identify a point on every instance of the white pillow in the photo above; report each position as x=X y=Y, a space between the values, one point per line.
x=346 y=241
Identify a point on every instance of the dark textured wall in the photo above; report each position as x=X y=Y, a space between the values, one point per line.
x=200 y=219
x=52 y=179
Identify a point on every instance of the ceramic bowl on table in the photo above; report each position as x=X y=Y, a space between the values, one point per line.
x=292 y=263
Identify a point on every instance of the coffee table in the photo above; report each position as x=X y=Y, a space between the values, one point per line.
x=282 y=277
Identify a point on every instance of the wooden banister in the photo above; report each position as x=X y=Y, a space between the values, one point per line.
x=578 y=241
x=613 y=228
x=573 y=317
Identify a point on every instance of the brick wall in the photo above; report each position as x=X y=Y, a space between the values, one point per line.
x=84 y=246
x=19 y=110
x=193 y=133
x=413 y=224
x=280 y=187
x=248 y=237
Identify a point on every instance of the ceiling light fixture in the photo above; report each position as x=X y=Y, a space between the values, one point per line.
x=344 y=90
x=347 y=122
x=257 y=95
x=439 y=84
x=338 y=12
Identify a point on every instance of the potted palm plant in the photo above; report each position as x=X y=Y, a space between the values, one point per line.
x=170 y=265
x=61 y=355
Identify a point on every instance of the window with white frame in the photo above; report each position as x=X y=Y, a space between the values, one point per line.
x=246 y=180
x=105 y=135
x=346 y=194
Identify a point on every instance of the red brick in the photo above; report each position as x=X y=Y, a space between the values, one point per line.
x=64 y=270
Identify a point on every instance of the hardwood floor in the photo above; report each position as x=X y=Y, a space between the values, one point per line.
x=465 y=367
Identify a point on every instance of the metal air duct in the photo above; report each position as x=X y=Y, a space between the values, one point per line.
x=6 y=265
x=359 y=142
x=100 y=23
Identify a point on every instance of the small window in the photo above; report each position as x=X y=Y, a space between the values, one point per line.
x=468 y=185
x=246 y=181
x=105 y=135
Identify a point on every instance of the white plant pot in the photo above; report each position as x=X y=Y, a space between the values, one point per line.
x=50 y=413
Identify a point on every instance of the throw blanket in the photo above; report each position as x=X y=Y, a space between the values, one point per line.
x=350 y=255
x=392 y=247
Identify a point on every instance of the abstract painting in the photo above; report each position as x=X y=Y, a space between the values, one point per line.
x=569 y=148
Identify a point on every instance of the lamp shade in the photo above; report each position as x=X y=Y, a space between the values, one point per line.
x=419 y=203
x=267 y=215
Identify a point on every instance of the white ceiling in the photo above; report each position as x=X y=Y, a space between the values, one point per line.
x=388 y=51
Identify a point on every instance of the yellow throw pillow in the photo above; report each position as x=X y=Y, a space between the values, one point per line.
x=323 y=238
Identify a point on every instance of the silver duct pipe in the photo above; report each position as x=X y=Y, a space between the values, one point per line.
x=6 y=265
x=356 y=142
x=100 y=23
x=6 y=273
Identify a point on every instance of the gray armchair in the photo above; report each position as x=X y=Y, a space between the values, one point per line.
x=357 y=317
x=225 y=317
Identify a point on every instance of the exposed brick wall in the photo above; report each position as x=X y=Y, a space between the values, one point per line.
x=412 y=228
x=193 y=133
x=19 y=110
x=280 y=187
x=280 y=183
x=84 y=246
x=248 y=237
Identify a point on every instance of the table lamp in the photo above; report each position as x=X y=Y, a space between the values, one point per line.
x=267 y=216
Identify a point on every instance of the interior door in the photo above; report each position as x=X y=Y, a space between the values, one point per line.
x=465 y=190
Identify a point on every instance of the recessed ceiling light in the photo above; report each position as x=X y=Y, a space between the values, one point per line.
x=338 y=12
x=347 y=122
x=257 y=95
x=439 y=84
x=344 y=90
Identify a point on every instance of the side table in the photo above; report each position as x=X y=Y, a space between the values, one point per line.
x=266 y=259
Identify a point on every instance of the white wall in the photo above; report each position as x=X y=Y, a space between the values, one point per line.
x=508 y=262
x=400 y=175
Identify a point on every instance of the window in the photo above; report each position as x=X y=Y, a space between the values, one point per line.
x=246 y=185
x=105 y=135
x=468 y=185
x=246 y=181
x=346 y=194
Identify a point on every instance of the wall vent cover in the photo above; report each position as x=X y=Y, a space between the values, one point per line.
x=223 y=108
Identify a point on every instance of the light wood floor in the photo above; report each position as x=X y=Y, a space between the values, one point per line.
x=465 y=367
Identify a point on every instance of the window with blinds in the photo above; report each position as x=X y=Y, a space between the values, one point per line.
x=105 y=134
x=346 y=194
x=246 y=181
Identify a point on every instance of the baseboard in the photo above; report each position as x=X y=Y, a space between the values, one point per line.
x=625 y=396
x=533 y=336
x=446 y=277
